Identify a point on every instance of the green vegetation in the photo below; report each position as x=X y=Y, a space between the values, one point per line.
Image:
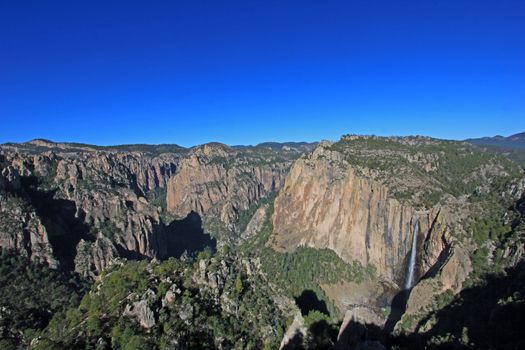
x=30 y=294
x=212 y=303
x=157 y=197
x=308 y=268
x=430 y=168
x=108 y=229
x=231 y=299
x=322 y=331
x=488 y=315
x=255 y=156
x=305 y=268
x=497 y=225
x=246 y=215
x=82 y=147
x=406 y=322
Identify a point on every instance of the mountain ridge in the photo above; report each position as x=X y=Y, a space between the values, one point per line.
x=332 y=226
x=514 y=141
x=152 y=148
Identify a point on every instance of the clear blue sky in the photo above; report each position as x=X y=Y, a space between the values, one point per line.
x=242 y=72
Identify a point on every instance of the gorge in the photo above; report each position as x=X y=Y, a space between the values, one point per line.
x=326 y=235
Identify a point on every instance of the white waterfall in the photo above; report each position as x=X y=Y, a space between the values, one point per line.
x=412 y=263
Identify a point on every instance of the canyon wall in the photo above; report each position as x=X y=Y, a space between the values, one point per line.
x=221 y=183
x=325 y=204
x=83 y=208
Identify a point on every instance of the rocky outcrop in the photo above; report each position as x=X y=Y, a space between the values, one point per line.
x=21 y=229
x=451 y=277
x=150 y=173
x=9 y=180
x=142 y=312
x=84 y=206
x=295 y=333
x=217 y=181
x=256 y=222
x=422 y=298
x=353 y=332
x=326 y=204
x=83 y=209
x=92 y=257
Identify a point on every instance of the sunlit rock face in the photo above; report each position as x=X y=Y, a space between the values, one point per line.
x=325 y=204
x=85 y=206
x=217 y=181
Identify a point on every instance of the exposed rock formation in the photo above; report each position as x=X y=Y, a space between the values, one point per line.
x=450 y=276
x=325 y=204
x=84 y=209
x=95 y=256
x=353 y=331
x=20 y=227
x=142 y=312
x=214 y=180
x=256 y=222
x=295 y=333
x=84 y=206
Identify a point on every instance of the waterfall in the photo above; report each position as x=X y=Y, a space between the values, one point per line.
x=412 y=263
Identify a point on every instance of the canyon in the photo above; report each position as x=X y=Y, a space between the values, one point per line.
x=401 y=208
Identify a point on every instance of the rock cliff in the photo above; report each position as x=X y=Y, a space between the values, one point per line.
x=347 y=222
x=20 y=227
x=81 y=203
x=325 y=204
x=219 y=182
x=362 y=197
x=85 y=206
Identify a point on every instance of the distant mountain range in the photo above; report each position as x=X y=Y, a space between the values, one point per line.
x=512 y=146
x=41 y=145
x=516 y=141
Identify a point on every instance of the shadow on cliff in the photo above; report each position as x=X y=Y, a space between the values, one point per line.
x=295 y=343
x=357 y=335
x=64 y=224
x=308 y=301
x=321 y=336
x=490 y=315
x=187 y=235
x=397 y=309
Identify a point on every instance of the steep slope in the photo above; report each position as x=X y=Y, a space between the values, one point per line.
x=362 y=197
x=30 y=294
x=90 y=208
x=83 y=206
x=337 y=229
x=219 y=302
x=21 y=228
x=324 y=206
x=219 y=183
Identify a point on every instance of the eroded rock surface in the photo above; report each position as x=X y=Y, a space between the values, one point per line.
x=325 y=204
x=83 y=206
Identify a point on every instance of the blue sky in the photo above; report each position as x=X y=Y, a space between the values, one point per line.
x=243 y=72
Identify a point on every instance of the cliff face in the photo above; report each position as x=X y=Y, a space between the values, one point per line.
x=83 y=207
x=450 y=276
x=221 y=183
x=20 y=227
x=325 y=204
x=151 y=173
